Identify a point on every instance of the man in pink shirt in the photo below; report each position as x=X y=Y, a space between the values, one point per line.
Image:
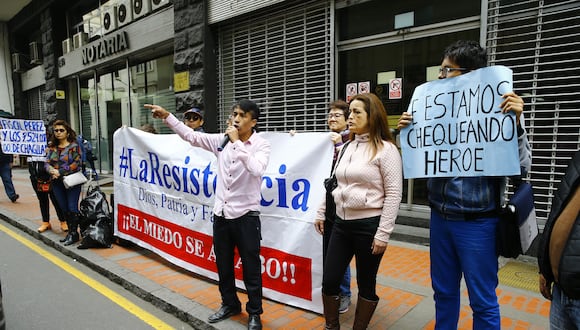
x=241 y=164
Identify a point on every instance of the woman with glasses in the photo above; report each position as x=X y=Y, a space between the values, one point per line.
x=337 y=115
x=464 y=216
x=63 y=157
x=369 y=178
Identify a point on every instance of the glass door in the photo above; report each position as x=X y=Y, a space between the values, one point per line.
x=415 y=61
x=89 y=120
x=152 y=82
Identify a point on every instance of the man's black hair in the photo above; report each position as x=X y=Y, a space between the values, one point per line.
x=248 y=106
x=466 y=54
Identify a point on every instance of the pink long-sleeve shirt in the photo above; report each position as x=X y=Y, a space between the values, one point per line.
x=240 y=168
x=368 y=188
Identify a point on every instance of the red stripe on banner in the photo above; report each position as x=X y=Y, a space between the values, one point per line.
x=187 y=245
x=286 y=273
x=282 y=272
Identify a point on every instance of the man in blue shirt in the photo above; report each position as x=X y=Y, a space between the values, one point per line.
x=464 y=216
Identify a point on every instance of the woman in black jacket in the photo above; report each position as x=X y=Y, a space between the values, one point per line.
x=40 y=180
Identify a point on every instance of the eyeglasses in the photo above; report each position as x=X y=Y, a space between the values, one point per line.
x=335 y=115
x=59 y=130
x=194 y=118
x=445 y=71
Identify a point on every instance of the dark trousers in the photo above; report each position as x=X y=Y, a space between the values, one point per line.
x=43 y=198
x=348 y=239
x=345 y=283
x=245 y=234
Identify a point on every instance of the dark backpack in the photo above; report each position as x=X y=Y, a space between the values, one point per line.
x=86 y=148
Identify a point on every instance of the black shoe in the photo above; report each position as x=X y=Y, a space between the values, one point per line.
x=223 y=313
x=14 y=198
x=254 y=322
x=71 y=238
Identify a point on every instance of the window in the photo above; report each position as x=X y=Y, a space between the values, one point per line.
x=539 y=41
x=282 y=60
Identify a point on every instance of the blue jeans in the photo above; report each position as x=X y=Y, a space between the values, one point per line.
x=6 y=174
x=564 y=312
x=464 y=248
x=345 y=284
x=68 y=199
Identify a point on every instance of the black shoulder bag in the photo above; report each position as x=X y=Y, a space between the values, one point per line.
x=330 y=184
x=517 y=226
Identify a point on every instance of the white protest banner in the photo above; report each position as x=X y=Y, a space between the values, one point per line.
x=164 y=191
x=23 y=137
x=458 y=128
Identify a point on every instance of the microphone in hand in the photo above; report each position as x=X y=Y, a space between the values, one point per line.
x=224 y=142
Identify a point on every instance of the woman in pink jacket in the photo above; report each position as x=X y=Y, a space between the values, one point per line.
x=370 y=181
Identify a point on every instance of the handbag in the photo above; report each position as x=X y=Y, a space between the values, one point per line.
x=330 y=184
x=517 y=226
x=74 y=179
x=43 y=185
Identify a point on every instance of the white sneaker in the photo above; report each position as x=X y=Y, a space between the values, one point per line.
x=344 y=303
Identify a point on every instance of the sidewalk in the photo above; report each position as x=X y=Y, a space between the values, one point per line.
x=403 y=281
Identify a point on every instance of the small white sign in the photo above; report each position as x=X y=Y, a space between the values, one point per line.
x=364 y=87
x=395 y=88
x=351 y=90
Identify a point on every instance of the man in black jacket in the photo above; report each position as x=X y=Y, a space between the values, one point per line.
x=559 y=252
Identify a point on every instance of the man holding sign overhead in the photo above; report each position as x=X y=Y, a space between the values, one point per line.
x=465 y=135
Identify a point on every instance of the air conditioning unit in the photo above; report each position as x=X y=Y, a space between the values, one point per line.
x=92 y=24
x=156 y=4
x=140 y=8
x=34 y=50
x=80 y=39
x=18 y=63
x=124 y=12
x=67 y=46
x=109 y=19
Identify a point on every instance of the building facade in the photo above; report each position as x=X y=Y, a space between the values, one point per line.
x=98 y=62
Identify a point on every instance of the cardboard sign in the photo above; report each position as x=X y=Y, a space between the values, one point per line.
x=23 y=137
x=459 y=129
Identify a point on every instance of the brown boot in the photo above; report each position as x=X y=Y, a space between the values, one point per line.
x=63 y=226
x=331 y=304
x=44 y=227
x=364 y=312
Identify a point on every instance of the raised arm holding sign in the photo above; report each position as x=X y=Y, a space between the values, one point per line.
x=460 y=133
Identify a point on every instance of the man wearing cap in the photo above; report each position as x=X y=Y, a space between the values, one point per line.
x=193 y=119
